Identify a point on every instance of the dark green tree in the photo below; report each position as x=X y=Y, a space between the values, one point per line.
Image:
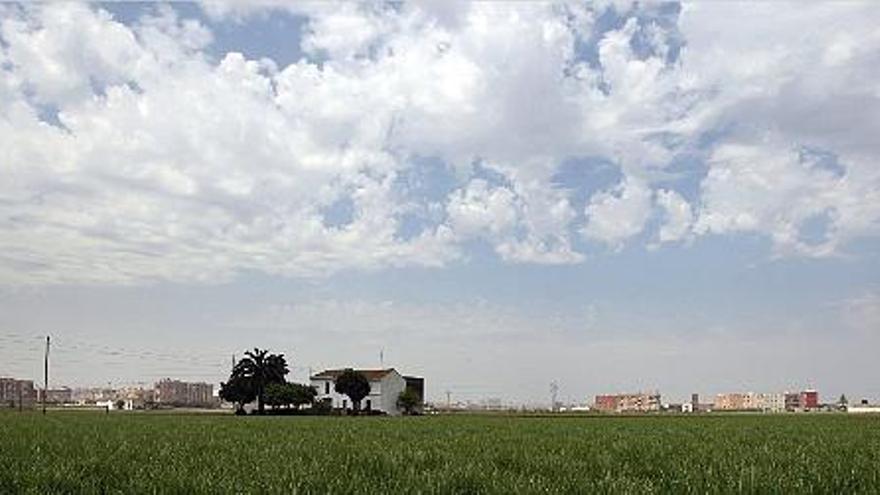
x=259 y=369
x=289 y=394
x=354 y=385
x=278 y=395
x=238 y=391
x=302 y=394
x=408 y=401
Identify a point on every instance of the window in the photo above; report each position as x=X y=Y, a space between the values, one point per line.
x=369 y=405
x=326 y=388
x=344 y=404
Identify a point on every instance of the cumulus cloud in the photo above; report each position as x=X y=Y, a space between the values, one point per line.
x=129 y=155
x=678 y=214
x=615 y=215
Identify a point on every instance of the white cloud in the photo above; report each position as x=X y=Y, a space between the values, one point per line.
x=167 y=165
x=768 y=188
x=678 y=216
x=615 y=215
x=482 y=208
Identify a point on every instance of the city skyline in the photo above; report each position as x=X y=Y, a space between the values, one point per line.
x=612 y=196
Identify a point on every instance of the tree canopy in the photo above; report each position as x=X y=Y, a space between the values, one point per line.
x=408 y=401
x=289 y=394
x=238 y=390
x=354 y=385
x=253 y=373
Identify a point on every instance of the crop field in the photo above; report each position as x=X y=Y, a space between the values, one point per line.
x=78 y=452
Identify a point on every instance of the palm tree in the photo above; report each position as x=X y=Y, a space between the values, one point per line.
x=260 y=369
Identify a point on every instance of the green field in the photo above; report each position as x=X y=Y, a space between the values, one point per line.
x=66 y=452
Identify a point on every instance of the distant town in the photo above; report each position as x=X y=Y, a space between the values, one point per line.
x=387 y=383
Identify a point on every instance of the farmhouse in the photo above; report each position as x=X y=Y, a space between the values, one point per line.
x=385 y=386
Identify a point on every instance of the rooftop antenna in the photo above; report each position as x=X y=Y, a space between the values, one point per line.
x=382 y=358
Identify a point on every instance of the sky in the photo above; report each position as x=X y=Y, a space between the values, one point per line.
x=613 y=196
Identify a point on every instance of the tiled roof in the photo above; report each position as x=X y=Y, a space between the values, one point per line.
x=372 y=375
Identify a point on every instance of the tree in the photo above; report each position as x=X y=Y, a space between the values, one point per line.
x=408 y=401
x=278 y=394
x=238 y=391
x=354 y=385
x=302 y=394
x=259 y=369
x=120 y=404
x=842 y=402
x=289 y=394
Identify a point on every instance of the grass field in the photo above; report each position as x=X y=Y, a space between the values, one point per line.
x=174 y=453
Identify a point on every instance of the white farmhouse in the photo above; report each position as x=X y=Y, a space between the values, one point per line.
x=385 y=386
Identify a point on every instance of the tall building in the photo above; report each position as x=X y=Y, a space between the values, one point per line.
x=637 y=402
x=17 y=393
x=732 y=402
x=178 y=393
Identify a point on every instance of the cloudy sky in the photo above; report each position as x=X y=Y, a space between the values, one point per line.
x=614 y=196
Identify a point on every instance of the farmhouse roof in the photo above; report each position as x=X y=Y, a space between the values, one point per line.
x=371 y=374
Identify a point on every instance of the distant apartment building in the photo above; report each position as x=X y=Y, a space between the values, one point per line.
x=769 y=402
x=810 y=399
x=637 y=402
x=17 y=393
x=766 y=402
x=177 y=393
x=731 y=402
x=63 y=395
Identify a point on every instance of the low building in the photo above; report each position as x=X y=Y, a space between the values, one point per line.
x=809 y=399
x=637 y=402
x=385 y=387
x=63 y=395
x=17 y=394
x=863 y=408
x=184 y=394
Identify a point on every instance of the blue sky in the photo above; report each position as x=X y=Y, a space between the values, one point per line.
x=614 y=196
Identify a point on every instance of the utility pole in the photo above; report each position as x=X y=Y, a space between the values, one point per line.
x=45 y=374
x=554 y=388
x=233 y=361
x=448 y=401
x=382 y=358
